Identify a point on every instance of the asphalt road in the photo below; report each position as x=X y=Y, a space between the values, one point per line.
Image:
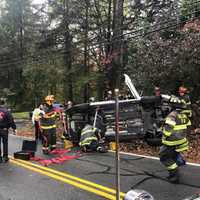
x=20 y=181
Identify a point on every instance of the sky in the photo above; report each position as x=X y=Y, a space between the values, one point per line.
x=38 y=1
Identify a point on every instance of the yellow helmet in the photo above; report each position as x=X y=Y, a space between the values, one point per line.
x=49 y=99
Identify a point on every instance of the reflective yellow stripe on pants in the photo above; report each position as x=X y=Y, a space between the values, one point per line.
x=48 y=127
x=172 y=167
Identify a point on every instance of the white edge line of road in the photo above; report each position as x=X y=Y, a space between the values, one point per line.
x=151 y=157
x=121 y=152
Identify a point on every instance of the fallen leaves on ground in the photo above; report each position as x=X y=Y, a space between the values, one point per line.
x=25 y=133
x=139 y=147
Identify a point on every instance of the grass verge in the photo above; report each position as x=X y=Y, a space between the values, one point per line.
x=21 y=115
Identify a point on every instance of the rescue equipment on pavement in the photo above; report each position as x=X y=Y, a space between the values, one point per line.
x=59 y=159
x=22 y=155
x=112 y=146
x=29 y=145
x=193 y=197
x=138 y=195
x=29 y=148
x=68 y=144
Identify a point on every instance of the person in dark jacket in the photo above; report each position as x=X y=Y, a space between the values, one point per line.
x=6 y=122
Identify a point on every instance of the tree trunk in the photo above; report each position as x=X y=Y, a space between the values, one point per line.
x=68 y=85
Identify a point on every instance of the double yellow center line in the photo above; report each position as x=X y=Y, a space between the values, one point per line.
x=89 y=186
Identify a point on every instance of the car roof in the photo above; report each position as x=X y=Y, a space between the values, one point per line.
x=105 y=105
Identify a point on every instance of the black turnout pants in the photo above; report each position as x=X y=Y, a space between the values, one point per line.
x=4 y=140
x=38 y=134
x=49 y=138
x=168 y=156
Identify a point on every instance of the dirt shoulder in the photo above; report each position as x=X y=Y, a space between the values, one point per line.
x=140 y=147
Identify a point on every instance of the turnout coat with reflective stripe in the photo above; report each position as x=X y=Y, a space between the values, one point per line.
x=175 y=130
x=186 y=100
x=48 y=118
x=87 y=135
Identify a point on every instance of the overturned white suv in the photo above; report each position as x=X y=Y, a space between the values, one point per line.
x=139 y=118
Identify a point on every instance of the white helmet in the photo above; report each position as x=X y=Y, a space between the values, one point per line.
x=91 y=99
x=138 y=195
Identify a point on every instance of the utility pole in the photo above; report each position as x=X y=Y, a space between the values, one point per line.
x=86 y=67
x=117 y=156
x=117 y=41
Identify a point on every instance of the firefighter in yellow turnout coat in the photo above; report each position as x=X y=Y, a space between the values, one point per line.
x=174 y=139
x=89 y=140
x=48 y=125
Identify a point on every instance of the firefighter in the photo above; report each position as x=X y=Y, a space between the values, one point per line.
x=64 y=124
x=89 y=140
x=174 y=139
x=157 y=91
x=158 y=115
x=109 y=95
x=48 y=125
x=184 y=97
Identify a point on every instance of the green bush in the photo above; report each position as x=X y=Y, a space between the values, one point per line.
x=21 y=115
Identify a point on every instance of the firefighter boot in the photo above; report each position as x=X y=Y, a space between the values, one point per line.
x=5 y=159
x=173 y=176
x=45 y=150
x=84 y=149
x=52 y=147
